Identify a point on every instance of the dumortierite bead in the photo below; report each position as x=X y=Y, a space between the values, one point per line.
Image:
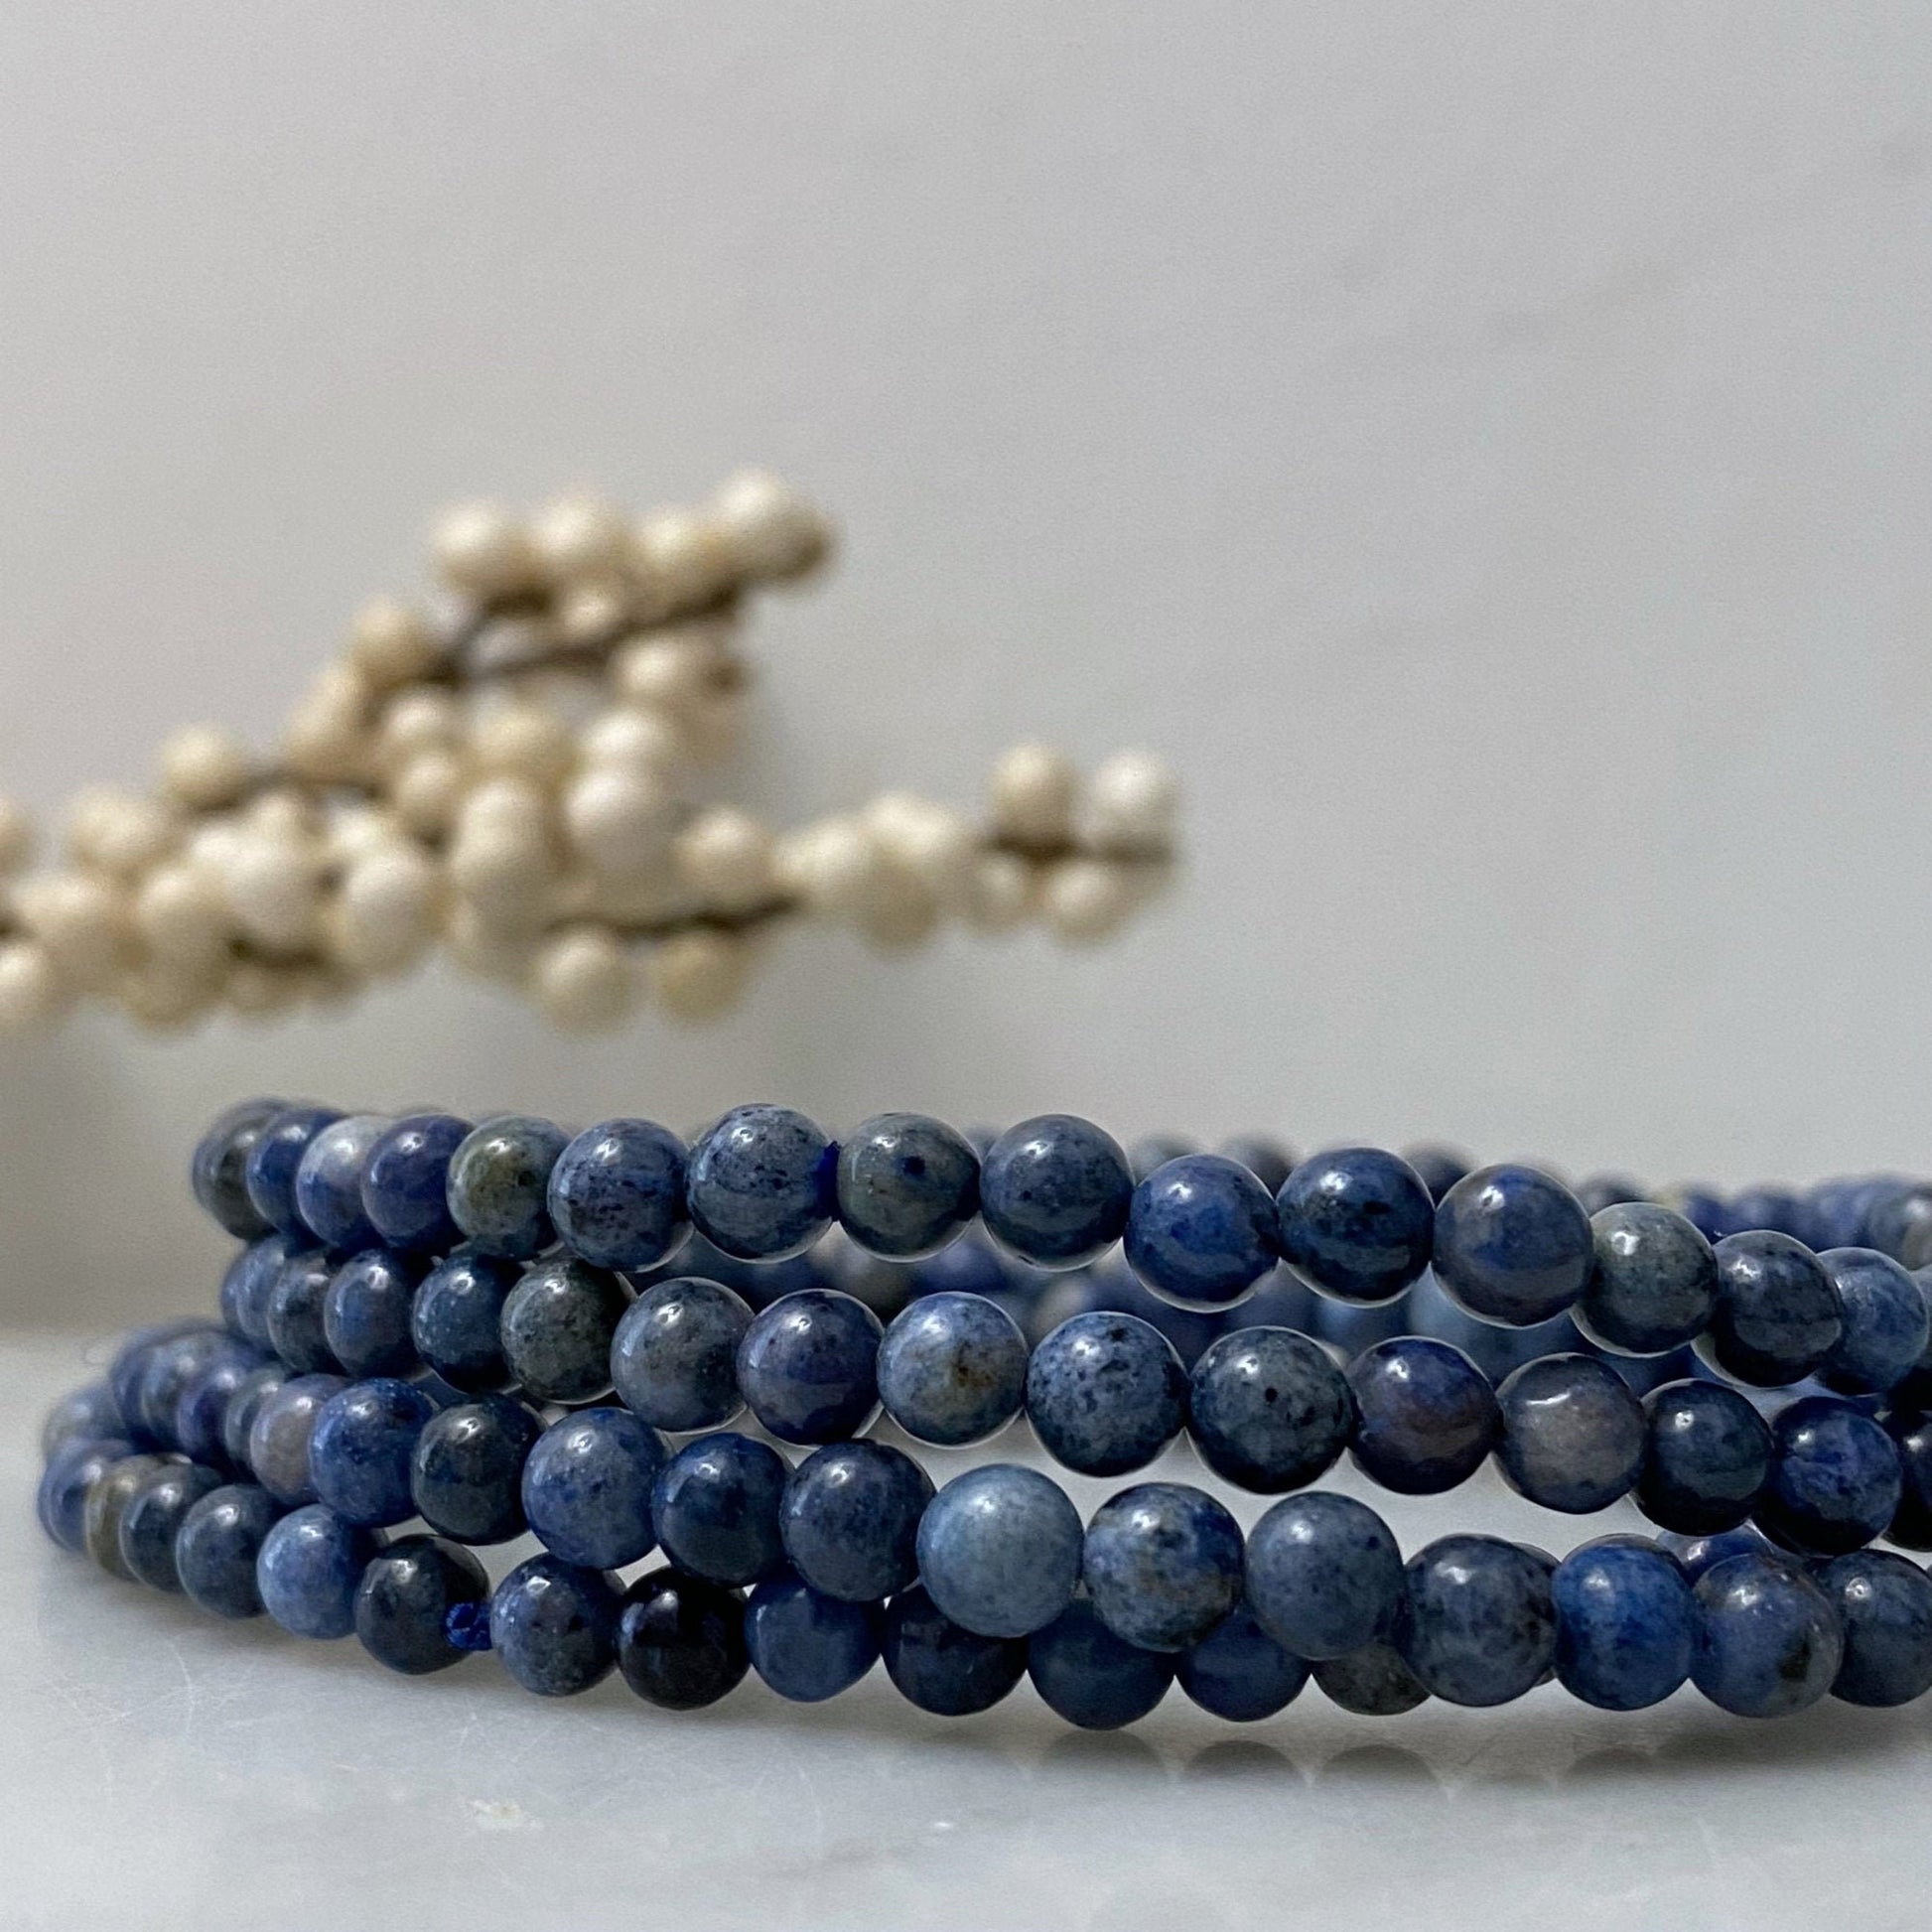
x=1054 y=1190
x=238 y=1417
x=715 y=1508
x=1358 y=1223
x=130 y=1364
x=999 y=1549
x=249 y=1281
x=587 y=1487
x=808 y=1646
x=361 y=1447
x=274 y=1159
x=329 y=1183
x=674 y=1356
x=1372 y=1682
x=202 y=1408
x=1512 y=1245
x=1427 y=1416
x=366 y=1310
x=1777 y=1316
x=1201 y=1232
x=906 y=1184
x=1476 y=1623
x=1707 y=1454
x=1106 y=1394
x=555 y=1625
x=850 y=1519
x=681 y=1641
x=1268 y=1160
x=217 y=1544
x=1573 y=1434
x=456 y=1320
x=952 y=1369
x=219 y=1170
x=153 y=1519
x=279 y=1435
x=1626 y=1623
x=171 y=1365
x=71 y=1472
x=1269 y=1410
x=1653 y=1281
x=410 y=1596
x=1835 y=1479
x=616 y=1194
x=761 y=1185
x=1697 y=1554
x=1239 y=1672
x=1884 y=1606
x=557 y=1326
x=1091 y=1677
x=1912 y=1523
x=1886 y=1322
x=1769 y=1641
x=499 y=1185
x=942 y=1667
x=808 y=1366
x=86 y=1415
x=309 y=1568
x=1323 y=1575
x=405 y=1182
x=1162 y=1564
x=297 y=1328
x=465 y=1475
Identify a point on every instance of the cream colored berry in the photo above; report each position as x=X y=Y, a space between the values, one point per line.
x=204 y=767
x=32 y=993
x=1033 y=789
x=385 y=910
x=1085 y=899
x=485 y=553
x=583 y=981
x=328 y=737
x=487 y=949
x=83 y=923
x=164 y=997
x=520 y=739
x=1130 y=805
x=274 y=891
x=426 y=718
x=770 y=531
x=682 y=561
x=724 y=857
x=938 y=846
x=119 y=832
x=832 y=867
x=645 y=742
x=579 y=537
x=999 y=892
x=427 y=792
x=16 y=837
x=698 y=974
x=392 y=643
x=181 y=917
x=672 y=670
x=619 y=820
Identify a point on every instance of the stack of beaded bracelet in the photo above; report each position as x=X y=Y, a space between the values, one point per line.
x=430 y=1320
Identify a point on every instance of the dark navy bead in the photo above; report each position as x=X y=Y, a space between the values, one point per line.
x=681 y=1641
x=238 y=1415
x=274 y=1160
x=1573 y=1434
x=1106 y=1394
x=130 y=1363
x=1707 y=1454
x=1162 y=1564
x=1697 y=1554
x=906 y=1184
x=249 y=1281
x=1239 y=1672
x=217 y=1544
x=85 y=1414
x=808 y=1366
x=1438 y=1167
x=366 y=1310
x=674 y=1356
x=1372 y=1682
x=942 y=1667
x=1884 y=1604
x=202 y=1409
x=1427 y=1416
x=499 y=1184
x=715 y=1507
x=952 y=1369
x=850 y=1519
x=1054 y=1190
x=587 y=1487
x=555 y=1625
x=1269 y=1410
x=329 y=1183
x=297 y=1325
x=557 y=1326
x=1357 y=1223
x=361 y=1447
x=406 y=1179
x=455 y=1321
x=1887 y=1327
x=171 y=1367
x=1512 y=1245
x=808 y=1646
x=1626 y=1624
x=761 y=1184
x=1777 y=1316
x=1267 y=1159
x=999 y=1548
x=1653 y=1281
x=1323 y=1575
x=616 y=1194
x=219 y=1170
x=411 y=1604
x=465 y=1475
x=1201 y=1232
x=1476 y=1625
x=1834 y=1478
x=309 y=1570
x=153 y=1519
x=71 y=1472
x=1912 y=1523
x=279 y=1435
x=1769 y=1641
x=1091 y=1677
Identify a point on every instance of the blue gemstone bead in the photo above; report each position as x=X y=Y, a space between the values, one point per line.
x=250 y=1282
x=1438 y=1167
x=202 y=1408
x=952 y=1369
x=1106 y=1394
x=557 y=1328
x=1573 y=1434
x=238 y=1415
x=1897 y=1223
x=1267 y=1159
x=681 y=1641
x=366 y=1310
x=1269 y=1410
x=297 y=1328
x=499 y=1185
x=1626 y=1623
x=329 y=1183
x=1112 y=1288
x=456 y=1320
x=60 y=1502
x=361 y=1447
x=674 y=1356
x=761 y=1184
x=279 y=1435
x=309 y=1570
x=1201 y=1232
x=1834 y=1477
x=1476 y=1625
x=1162 y=1564
x=1054 y=1190
x=1912 y=1523
x=587 y=1487
x=1323 y=1575
x=130 y=1364
x=850 y=1519
x=1886 y=1326
x=171 y=1367
x=616 y=1194
x=467 y=1473
x=1884 y=1606
x=415 y=1601
x=218 y=1171
x=941 y=1667
x=1372 y=1682
x=1777 y=1316
x=1153 y=1151
x=1697 y=1554
x=1602 y=1191
x=1653 y=1282
x=555 y=1625
x=1427 y=1416
x=906 y=1184
x=274 y=1160
x=405 y=1182
x=808 y=1366
x=1707 y=1454
x=106 y=1505
x=1512 y=1245
x=153 y=1519
x=756 y=1283
x=715 y=1507
x=1357 y=1223
x=1091 y=1677
x=85 y=1414
x=216 y=1546
x=808 y=1646
x=1239 y=1672
x=1769 y=1642
x=999 y=1548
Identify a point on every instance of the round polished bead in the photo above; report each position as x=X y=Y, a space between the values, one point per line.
x=1162 y=1564
x=1106 y=1394
x=329 y=1183
x=86 y=1415
x=952 y=1369
x=130 y=1364
x=1357 y=1223
x=153 y=1519
x=1886 y=1326
x=1201 y=1232
x=1476 y=1624
x=202 y=1408
x=1769 y=1642
x=674 y=1356
x=1267 y=1159
x=587 y=1487
x=219 y=1170
x=361 y=1447
x=850 y=1519
x=250 y=1280
x=1512 y=1245
x=309 y=1570
x=1835 y=1479
x=466 y=1475
x=1323 y=1575
x=366 y=1310
x=61 y=1501
x=906 y=1184
x=616 y=1194
x=106 y=1505
x=296 y=1325
x=1372 y=1682
x=279 y=1435
x=1091 y=1677
x=456 y=1320
x=1707 y=1454
x=808 y=1366
x=942 y=1667
x=808 y=1646
x=1697 y=1554
x=554 y=1625
x=1054 y=1190
x=1438 y=1167
x=1777 y=1316
x=681 y=1641
x=557 y=1326
x=274 y=1160
x=405 y=1182
x=1239 y=1672
x=238 y=1417
x=1573 y=1434
x=172 y=1365
x=999 y=1549
x=1912 y=1523
x=1626 y=1623
x=715 y=1508
x=761 y=1184
x=499 y=1181
x=409 y=1597
x=1653 y=1281
x=1269 y=1410
x=1884 y=1606
x=217 y=1544
x=1427 y=1416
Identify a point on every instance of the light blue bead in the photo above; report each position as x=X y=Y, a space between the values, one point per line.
x=279 y=1435
x=1239 y=1672
x=499 y=1184
x=1769 y=1642
x=467 y=1473
x=1427 y=1416
x=455 y=1320
x=808 y=1646
x=297 y=1313
x=273 y=1162
x=1512 y=1245
x=1476 y=1624
x=250 y=1280
x=153 y=1519
x=952 y=1369
x=616 y=1194
x=1162 y=1564
x=1626 y=1623
x=216 y=1546
x=1201 y=1232
x=808 y=1366
x=1269 y=1410
x=761 y=1185
x=587 y=1487
x=906 y=1184
x=361 y=1447
x=1834 y=1477
x=715 y=1507
x=1093 y=1677
x=1887 y=1327
x=554 y=1625
x=557 y=1328
x=405 y=1182
x=674 y=1356
x=1884 y=1604
x=850 y=1520
x=1706 y=1455
x=329 y=1183
x=218 y=1170
x=1106 y=1394
x=307 y=1570
x=1573 y=1434
x=85 y=1414
x=1054 y=1190
x=1323 y=1575
x=366 y=1310
x=1777 y=1317
x=999 y=1549
x=1356 y=1222
x=1653 y=1282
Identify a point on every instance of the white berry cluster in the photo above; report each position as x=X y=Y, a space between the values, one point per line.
x=513 y=774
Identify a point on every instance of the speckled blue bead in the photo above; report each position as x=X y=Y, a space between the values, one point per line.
x=1573 y=1434
x=242 y=1407
x=361 y=1447
x=466 y=1471
x=499 y=1185
x=1777 y=1316
x=414 y=1598
x=1912 y=1523
x=1886 y=1326
x=999 y=1549
x=906 y=1184
x=557 y=1326
x=1357 y=1223
x=1884 y=1606
x=1427 y=1416
x=60 y=1502
x=1707 y=1454
x=1112 y=1288
x=329 y=1183
x=1512 y=1245
x=1106 y=1394
x=218 y=1172
x=279 y=1435
x=153 y=1519
x=250 y=1280
x=1697 y=1554
x=1476 y=1624
x=587 y=1487
x=850 y=1519
x=1653 y=1281
x=808 y=1366
x=1201 y=1232
x=715 y=1507
x=130 y=1364
x=1162 y=1564
x=170 y=1368
x=952 y=1369
x=297 y=1328
x=1626 y=1623
x=405 y=1182
x=309 y=1568
x=939 y=1666
x=274 y=1159
x=1054 y=1190
x=1769 y=1641
x=674 y=1356
x=202 y=1408
x=554 y=1625
x=366 y=1310
x=1372 y=1682
x=85 y=1414
x=808 y=1646
x=1267 y=1159
x=1091 y=1677
x=1269 y=1410
x=616 y=1194
x=1239 y=1672
x=455 y=1320
x=1323 y=1575
x=1835 y=1479
x=761 y=1184
x=216 y=1546
x=681 y=1641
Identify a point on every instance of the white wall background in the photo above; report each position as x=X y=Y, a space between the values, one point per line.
x=1487 y=447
